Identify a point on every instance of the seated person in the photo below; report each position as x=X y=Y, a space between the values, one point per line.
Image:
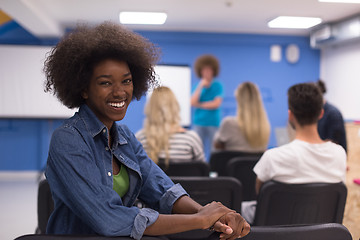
x=331 y=126
x=96 y=168
x=162 y=136
x=308 y=158
x=249 y=130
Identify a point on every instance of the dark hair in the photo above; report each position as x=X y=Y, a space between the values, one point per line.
x=305 y=102
x=207 y=61
x=321 y=86
x=69 y=65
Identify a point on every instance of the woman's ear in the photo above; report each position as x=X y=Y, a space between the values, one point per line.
x=84 y=94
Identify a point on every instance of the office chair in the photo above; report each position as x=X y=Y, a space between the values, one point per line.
x=328 y=231
x=80 y=237
x=204 y=190
x=187 y=169
x=283 y=204
x=241 y=168
x=219 y=160
x=45 y=206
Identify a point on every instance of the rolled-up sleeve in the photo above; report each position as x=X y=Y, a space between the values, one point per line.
x=145 y=218
x=169 y=198
x=148 y=216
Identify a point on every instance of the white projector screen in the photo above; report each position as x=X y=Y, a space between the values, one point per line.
x=22 y=85
x=178 y=79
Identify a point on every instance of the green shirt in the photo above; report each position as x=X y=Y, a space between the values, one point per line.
x=121 y=181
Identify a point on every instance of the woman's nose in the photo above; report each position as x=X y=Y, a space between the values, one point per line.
x=118 y=90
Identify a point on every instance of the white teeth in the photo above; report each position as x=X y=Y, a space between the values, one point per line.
x=117 y=105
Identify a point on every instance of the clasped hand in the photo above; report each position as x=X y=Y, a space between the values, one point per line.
x=222 y=219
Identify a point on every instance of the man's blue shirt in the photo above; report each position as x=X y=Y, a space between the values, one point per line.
x=209 y=117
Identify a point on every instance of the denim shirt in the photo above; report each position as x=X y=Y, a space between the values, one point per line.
x=79 y=171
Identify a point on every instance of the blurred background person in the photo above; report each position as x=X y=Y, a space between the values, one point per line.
x=306 y=159
x=162 y=136
x=206 y=99
x=331 y=126
x=249 y=130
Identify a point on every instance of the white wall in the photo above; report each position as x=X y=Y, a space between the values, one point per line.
x=340 y=69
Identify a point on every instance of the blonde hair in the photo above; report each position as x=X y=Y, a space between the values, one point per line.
x=162 y=120
x=251 y=115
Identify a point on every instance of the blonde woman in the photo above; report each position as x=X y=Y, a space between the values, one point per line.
x=249 y=131
x=162 y=136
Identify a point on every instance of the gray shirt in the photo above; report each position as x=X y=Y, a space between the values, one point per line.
x=230 y=134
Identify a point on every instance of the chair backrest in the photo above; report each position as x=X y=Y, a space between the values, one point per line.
x=188 y=169
x=328 y=231
x=219 y=160
x=281 y=204
x=204 y=190
x=45 y=205
x=241 y=168
x=227 y=190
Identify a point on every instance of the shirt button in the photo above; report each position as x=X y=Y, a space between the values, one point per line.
x=106 y=148
x=104 y=131
x=109 y=174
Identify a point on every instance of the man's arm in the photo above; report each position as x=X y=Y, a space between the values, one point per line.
x=214 y=104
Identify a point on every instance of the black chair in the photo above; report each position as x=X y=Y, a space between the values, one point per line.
x=45 y=206
x=219 y=160
x=80 y=237
x=203 y=190
x=328 y=231
x=241 y=168
x=187 y=169
x=283 y=204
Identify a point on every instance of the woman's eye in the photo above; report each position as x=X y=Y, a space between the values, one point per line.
x=105 y=83
x=127 y=81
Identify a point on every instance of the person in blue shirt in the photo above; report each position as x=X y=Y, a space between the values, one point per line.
x=96 y=168
x=206 y=99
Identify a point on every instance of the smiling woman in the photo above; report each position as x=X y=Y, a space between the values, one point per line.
x=96 y=168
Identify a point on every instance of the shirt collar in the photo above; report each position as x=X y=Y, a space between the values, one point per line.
x=93 y=124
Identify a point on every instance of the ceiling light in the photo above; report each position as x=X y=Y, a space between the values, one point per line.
x=142 y=17
x=294 y=22
x=341 y=1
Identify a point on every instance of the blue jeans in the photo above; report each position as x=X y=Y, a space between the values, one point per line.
x=206 y=134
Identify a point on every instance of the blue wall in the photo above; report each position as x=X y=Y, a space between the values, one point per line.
x=243 y=57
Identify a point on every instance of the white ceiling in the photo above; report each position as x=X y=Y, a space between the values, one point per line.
x=52 y=17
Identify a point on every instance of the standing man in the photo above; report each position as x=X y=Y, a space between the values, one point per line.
x=206 y=99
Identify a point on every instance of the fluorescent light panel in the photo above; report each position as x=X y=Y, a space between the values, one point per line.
x=142 y=17
x=294 y=22
x=341 y=1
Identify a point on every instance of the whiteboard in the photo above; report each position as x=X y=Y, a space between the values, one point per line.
x=22 y=85
x=178 y=79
